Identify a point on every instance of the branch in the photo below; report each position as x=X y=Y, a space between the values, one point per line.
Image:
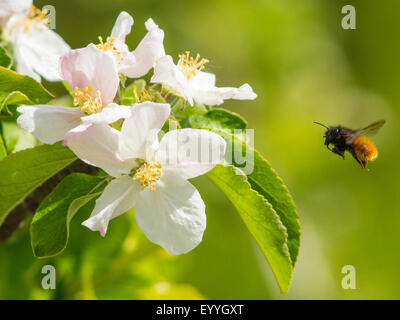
x=16 y=217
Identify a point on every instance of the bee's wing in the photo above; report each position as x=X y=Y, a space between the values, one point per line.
x=370 y=130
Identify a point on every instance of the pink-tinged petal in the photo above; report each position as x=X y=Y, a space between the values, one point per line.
x=173 y=216
x=37 y=52
x=90 y=66
x=117 y=198
x=190 y=152
x=97 y=145
x=47 y=123
x=122 y=26
x=139 y=132
x=149 y=50
x=110 y=114
x=167 y=73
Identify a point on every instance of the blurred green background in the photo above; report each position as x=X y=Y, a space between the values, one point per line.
x=305 y=68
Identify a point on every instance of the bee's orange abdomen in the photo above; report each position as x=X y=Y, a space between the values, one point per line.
x=364 y=149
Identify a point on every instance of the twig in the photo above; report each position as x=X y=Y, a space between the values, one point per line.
x=16 y=217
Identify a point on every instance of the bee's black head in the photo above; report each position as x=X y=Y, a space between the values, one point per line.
x=333 y=135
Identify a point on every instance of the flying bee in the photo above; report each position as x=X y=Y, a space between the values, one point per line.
x=354 y=141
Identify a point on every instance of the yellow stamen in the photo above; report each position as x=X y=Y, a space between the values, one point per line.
x=109 y=45
x=84 y=99
x=147 y=174
x=189 y=65
x=36 y=15
x=143 y=96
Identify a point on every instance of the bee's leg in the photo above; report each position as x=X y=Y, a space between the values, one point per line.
x=338 y=151
x=362 y=163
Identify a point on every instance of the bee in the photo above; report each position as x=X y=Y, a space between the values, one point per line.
x=354 y=141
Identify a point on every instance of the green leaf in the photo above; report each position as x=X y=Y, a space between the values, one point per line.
x=51 y=223
x=3 y=151
x=24 y=171
x=264 y=179
x=13 y=98
x=6 y=60
x=260 y=218
x=170 y=124
x=19 y=89
x=15 y=138
x=182 y=110
x=218 y=118
x=128 y=97
x=140 y=85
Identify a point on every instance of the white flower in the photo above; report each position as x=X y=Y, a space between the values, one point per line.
x=10 y=7
x=93 y=76
x=150 y=175
x=138 y=62
x=187 y=80
x=36 y=48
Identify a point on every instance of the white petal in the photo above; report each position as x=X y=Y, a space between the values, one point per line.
x=91 y=67
x=216 y=96
x=117 y=198
x=167 y=73
x=38 y=51
x=110 y=114
x=149 y=50
x=122 y=56
x=23 y=64
x=173 y=216
x=9 y=7
x=97 y=145
x=202 y=80
x=122 y=26
x=139 y=132
x=190 y=152
x=48 y=123
x=126 y=60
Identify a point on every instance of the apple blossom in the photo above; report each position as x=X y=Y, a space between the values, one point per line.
x=36 y=48
x=150 y=176
x=187 y=80
x=138 y=62
x=10 y=7
x=93 y=75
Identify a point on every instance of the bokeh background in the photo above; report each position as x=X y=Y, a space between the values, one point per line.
x=305 y=68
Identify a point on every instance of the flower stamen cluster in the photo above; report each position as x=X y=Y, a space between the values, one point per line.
x=109 y=45
x=189 y=66
x=84 y=99
x=147 y=174
x=37 y=15
x=143 y=96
